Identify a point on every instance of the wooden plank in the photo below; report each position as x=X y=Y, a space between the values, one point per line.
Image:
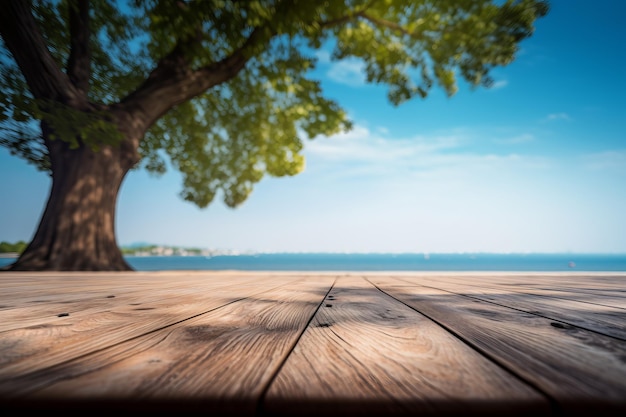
x=606 y=320
x=579 y=369
x=608 y=298
x=19 y=291
x=219 y=361
x=366 y=353
x=588 y=282
x=609 y=290
x=43 y=301
x=48 y=344
x=562 y=280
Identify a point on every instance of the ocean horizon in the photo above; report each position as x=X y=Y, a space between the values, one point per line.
x=459 y=262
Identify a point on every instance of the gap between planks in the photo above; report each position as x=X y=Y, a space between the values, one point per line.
x=220 y=360
x=366 y=353
x=605 y=320
x=579 y=369
x=36 y=349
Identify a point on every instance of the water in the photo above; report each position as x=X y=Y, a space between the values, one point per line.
x=381 y=262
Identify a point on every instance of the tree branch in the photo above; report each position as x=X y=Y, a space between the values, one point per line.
x=24 y=40
x=79 y=61
x=344 y=19
x=387 y=24
x=172 y=81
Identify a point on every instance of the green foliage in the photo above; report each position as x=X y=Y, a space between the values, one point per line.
x=228 y=138
x=119 y=61
x=114 y=73
x=224 y=141
x=134 y=250
x=411 y=45
x=18 y=247
x=20 y=132
x=77 y=127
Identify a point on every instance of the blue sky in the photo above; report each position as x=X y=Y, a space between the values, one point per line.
x=535 y=164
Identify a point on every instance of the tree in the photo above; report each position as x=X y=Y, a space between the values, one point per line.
x=92 y=89
x=17 y=247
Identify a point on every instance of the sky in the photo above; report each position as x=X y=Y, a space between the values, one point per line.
x=535 y=164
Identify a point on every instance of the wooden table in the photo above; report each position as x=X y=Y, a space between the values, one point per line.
x=264 y=343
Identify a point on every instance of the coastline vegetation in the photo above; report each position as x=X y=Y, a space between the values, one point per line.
x=18 y=247
x=146 y=250
x=159 y=250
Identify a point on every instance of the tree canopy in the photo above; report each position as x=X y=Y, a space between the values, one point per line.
x=225 y=130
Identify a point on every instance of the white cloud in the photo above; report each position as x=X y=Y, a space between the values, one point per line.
x=499 y=84
x=364 y=153
x=349 y=71
x=608 y=160
x=382 y=130
x=557 y=116
x=360 y=144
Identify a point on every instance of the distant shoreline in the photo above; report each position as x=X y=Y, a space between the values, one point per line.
x=431 y=263
x=9 y=255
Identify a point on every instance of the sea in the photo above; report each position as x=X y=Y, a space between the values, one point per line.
x=380 y=262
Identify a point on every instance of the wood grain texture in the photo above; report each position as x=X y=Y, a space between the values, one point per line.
x=366 y=352
x=217 y=361
x=60 y=339
x=594 y=289
x=224 y=342
x=603 y=319
x=40 y=303
x=575 y=367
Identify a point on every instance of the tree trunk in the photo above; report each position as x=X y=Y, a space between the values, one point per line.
x=77 y=229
